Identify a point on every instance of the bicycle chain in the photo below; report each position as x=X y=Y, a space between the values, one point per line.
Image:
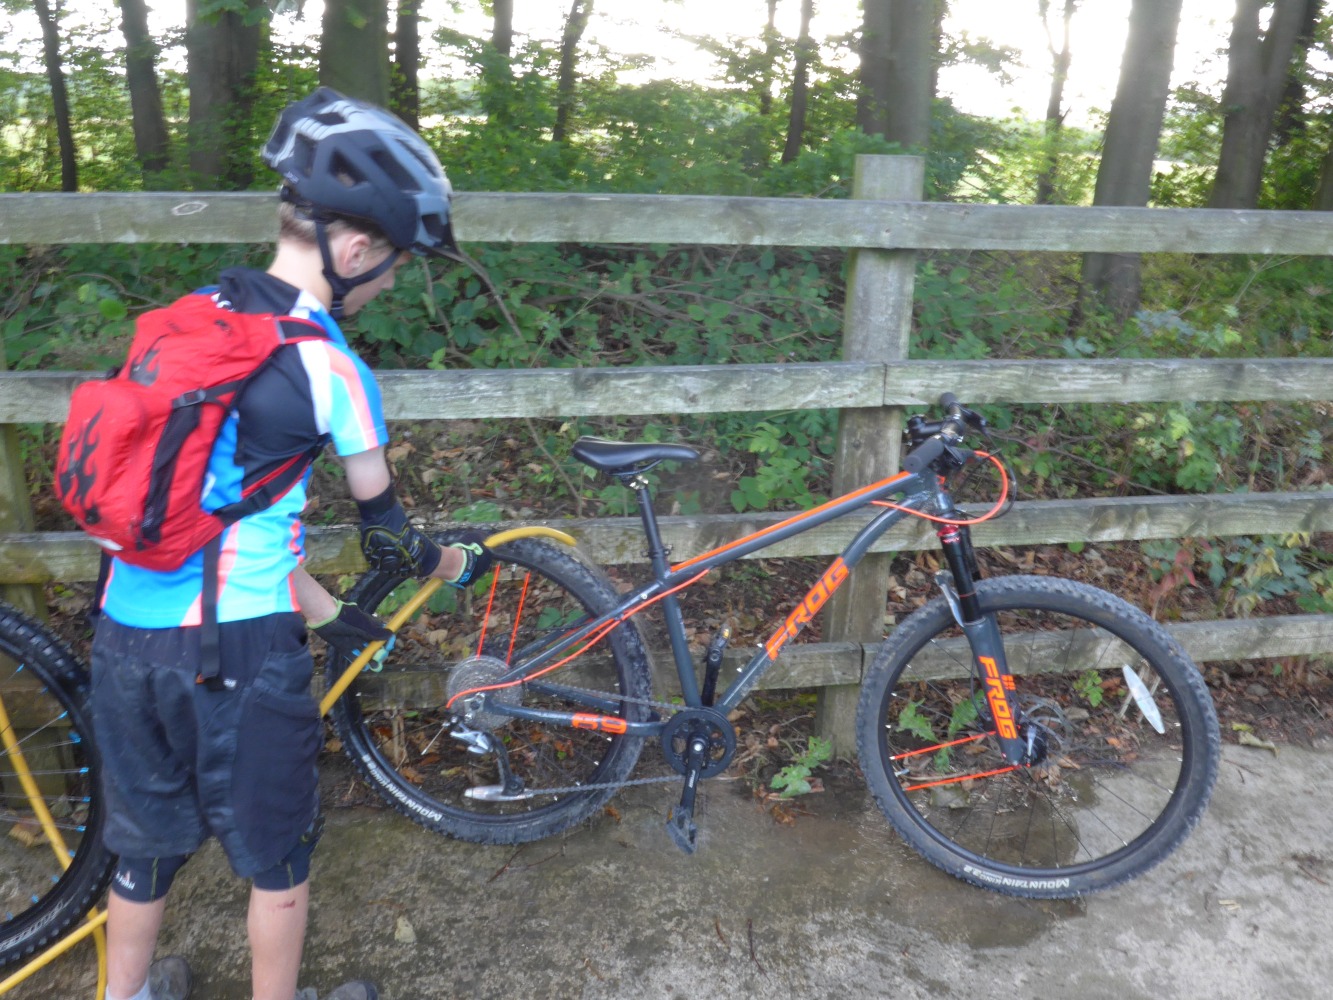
x=613 y=785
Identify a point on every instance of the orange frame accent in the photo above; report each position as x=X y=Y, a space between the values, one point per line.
x=795 y=519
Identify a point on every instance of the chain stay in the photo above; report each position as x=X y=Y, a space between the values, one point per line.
x=613 y=785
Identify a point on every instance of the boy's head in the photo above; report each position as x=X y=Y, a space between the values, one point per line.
x=351 y=167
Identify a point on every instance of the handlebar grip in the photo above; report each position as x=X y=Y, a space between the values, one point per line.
x=948 y=401
x=925 y=453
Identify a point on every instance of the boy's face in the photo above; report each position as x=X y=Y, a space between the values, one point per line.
x=362 y=294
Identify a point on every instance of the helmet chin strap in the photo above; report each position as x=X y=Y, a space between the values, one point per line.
x=338 y=284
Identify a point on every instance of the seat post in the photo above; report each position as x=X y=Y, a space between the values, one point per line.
x=657 y=552
x=671 y=613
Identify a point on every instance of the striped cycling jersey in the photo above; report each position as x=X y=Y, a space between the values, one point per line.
x=309 y=392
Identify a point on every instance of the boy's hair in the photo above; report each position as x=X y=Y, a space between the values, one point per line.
x=296 y=225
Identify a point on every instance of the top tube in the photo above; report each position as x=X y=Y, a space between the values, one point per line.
x=902 y=482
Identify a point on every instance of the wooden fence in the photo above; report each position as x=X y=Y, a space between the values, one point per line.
x=884 y=224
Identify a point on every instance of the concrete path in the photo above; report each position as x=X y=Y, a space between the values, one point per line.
x=833 y=906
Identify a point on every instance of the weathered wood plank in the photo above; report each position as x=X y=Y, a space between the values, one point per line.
x=249 y=217
x=1118 y=380
x=40 y=557
x=815 y=664
x=43 y=397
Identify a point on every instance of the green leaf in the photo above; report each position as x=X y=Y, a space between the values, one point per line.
x=910 y=720
x=112 y=309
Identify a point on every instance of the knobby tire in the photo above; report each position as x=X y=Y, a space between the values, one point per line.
x=395 y=728
x=1111 y=796
x=45 y=692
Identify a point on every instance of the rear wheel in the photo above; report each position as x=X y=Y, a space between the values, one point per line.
x=398 y=731
x=1126 y=738
x=44 y=693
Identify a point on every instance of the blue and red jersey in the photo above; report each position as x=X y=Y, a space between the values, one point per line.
x=308 y=393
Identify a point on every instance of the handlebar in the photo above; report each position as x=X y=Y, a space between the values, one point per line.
x=936 y=441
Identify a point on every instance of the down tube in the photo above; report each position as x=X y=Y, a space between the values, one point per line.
x=851 y=556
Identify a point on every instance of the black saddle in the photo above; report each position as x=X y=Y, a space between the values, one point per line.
x=629 y=456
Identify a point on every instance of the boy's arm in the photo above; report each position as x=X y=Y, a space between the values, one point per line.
x=314 y=602
x=371 y=486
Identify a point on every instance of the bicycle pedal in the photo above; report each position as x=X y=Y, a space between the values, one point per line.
x=495 y=793
x=681 y=826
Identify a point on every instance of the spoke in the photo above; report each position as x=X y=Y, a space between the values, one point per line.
x=962 y=777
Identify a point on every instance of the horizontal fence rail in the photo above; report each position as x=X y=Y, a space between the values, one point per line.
x=248 y=217
x=43 y=397
x=43 y=557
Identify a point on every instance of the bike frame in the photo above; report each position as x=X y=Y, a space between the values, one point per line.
x=922 y=490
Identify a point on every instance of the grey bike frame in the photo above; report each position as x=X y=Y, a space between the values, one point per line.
x=922 y=490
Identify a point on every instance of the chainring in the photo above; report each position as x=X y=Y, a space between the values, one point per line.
x=479 y=672
x=716 y=730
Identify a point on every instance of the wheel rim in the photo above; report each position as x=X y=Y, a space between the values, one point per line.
x=1109 y=781
x=49 y=732
x=524 y=604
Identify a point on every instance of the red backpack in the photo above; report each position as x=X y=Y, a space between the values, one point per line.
x=136 y=445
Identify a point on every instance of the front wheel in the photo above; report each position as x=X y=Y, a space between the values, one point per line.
x=401 y=737
x=1125 y=740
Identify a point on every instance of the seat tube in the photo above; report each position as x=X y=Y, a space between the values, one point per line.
x=675 y=624
x=983 y=636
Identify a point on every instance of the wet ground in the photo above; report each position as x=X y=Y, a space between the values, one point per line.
x=831 y=906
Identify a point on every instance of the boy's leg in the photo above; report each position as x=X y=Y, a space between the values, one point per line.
x=131 y=936
x=276 y=926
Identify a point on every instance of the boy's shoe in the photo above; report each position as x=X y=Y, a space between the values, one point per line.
x=357 y=989
x=169 y=978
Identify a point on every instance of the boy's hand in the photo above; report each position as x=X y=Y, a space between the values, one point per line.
x=350 y=630
x=477 y=558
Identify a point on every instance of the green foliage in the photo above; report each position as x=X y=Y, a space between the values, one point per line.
x=1088 y=685
x=910 y=720
x=794 y=779
x=1246 y=572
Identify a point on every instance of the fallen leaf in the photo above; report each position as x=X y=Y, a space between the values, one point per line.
x=27 y=832
x=403 y=932
x=1248 y=739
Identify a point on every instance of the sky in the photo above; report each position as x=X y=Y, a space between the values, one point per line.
x=651 y=26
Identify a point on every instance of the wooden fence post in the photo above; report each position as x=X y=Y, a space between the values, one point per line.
x=16 y=515
x=877 y=327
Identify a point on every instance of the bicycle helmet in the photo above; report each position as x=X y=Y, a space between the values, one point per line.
x=343 y=158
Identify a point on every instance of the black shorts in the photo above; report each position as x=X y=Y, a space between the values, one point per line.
x=181 y=761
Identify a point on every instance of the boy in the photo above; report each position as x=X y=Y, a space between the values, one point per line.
x=235 y=758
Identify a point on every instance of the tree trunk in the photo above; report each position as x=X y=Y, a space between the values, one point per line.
x=151 y=142
x=1292 y=113
x=1133 y=129
x=55 y=77
x=354 y=49
x=800 y=85
x=1323 y=197
x=1055 y=113
x=575 y=24
x=502 y=30
x=772 y=49
x=898 y=56
x=222 y=52
x=1258 y=64
x=407 y=62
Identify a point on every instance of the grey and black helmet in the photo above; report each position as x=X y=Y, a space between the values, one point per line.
x=342 y=157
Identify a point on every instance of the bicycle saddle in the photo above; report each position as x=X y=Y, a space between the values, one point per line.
x=619 y=456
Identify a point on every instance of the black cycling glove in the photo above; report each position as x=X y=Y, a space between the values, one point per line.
x=478 y=559
x=390 y=542
x=349 y=630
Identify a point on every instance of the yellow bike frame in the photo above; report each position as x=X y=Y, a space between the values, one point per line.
x=94 y=925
